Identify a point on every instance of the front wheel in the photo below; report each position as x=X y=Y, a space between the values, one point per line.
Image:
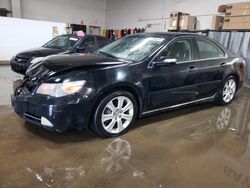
x=115 y=114
x=228 y=91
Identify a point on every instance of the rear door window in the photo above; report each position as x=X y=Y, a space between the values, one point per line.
x=88 y=44
x=102 y=41
x=208 y=49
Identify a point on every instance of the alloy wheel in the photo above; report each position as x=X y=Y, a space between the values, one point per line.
x=117 y=114
x=229 y=90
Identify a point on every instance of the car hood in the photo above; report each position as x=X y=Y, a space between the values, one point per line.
x=65 y=62
x=38 y=52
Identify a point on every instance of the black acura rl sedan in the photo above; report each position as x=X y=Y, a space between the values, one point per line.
x=135 y=76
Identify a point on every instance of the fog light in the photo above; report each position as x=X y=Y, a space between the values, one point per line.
x=46 y=122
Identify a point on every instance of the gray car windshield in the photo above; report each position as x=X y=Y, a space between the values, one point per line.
x=63 y=42
x=133 y=48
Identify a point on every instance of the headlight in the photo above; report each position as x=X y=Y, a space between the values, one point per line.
x=60 y=89
x=36 y=60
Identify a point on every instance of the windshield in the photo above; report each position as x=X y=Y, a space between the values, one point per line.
x=63 y=42
x=133 y=48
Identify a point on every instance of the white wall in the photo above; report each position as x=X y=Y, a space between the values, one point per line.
x=66 y=11
x=20 y=34
x=125 y=14
x=5 y=4
x=121 y=14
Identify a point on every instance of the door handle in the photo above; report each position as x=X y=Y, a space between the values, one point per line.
x=192 y=68
x=223 y=64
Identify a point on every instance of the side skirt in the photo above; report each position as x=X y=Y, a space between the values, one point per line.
x=208 y=99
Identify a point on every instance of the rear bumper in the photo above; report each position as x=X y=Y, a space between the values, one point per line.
x=52 y=114
x=19 y=67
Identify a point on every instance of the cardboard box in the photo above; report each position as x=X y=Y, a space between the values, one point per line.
x=175 y=20
x=237 y=19
x=237 y=22
x=234 y=12
x=217 y=22
x=187 y=23
x=174 y=23
x=236 y=25
x=238 y=6
x=222 y=8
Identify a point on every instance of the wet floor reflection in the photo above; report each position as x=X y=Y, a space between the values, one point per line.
x=116 y=155
x=56 y=177
x=198 y=146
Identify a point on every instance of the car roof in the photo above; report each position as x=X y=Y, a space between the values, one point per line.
x=169 y=34
x=162 y=34
x=78 y=37
x=172 y=35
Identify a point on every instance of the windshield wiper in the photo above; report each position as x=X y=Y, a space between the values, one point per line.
x=107 y=54
x=112 y=56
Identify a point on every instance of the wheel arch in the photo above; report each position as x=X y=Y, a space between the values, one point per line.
x=236 y=76
x=134 y=90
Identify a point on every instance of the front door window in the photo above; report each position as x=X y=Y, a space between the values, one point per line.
x=181 y=50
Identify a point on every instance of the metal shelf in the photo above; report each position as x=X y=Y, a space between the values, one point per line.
x=211 y=30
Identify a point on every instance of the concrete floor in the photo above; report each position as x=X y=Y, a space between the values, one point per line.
x=200 y=146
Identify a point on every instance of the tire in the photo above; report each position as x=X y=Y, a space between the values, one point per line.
x=115 y=114
x=227 y=92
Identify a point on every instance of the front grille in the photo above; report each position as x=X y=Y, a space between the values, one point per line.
x=31 y=82
x=20 y=91
x=21 y=59
x=20 y=64
x=28 y=85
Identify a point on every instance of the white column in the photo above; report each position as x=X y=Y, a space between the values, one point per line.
x=16 y=8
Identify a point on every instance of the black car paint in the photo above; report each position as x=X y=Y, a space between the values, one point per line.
x=155 y=88
x=21 y=61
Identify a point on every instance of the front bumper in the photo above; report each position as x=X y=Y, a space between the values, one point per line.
x=52 y=113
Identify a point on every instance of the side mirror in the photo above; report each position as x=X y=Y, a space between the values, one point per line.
x=165 y=62
x=80 y=49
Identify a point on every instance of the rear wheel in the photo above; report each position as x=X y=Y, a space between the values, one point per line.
x=115 y=114
x=228 y=91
